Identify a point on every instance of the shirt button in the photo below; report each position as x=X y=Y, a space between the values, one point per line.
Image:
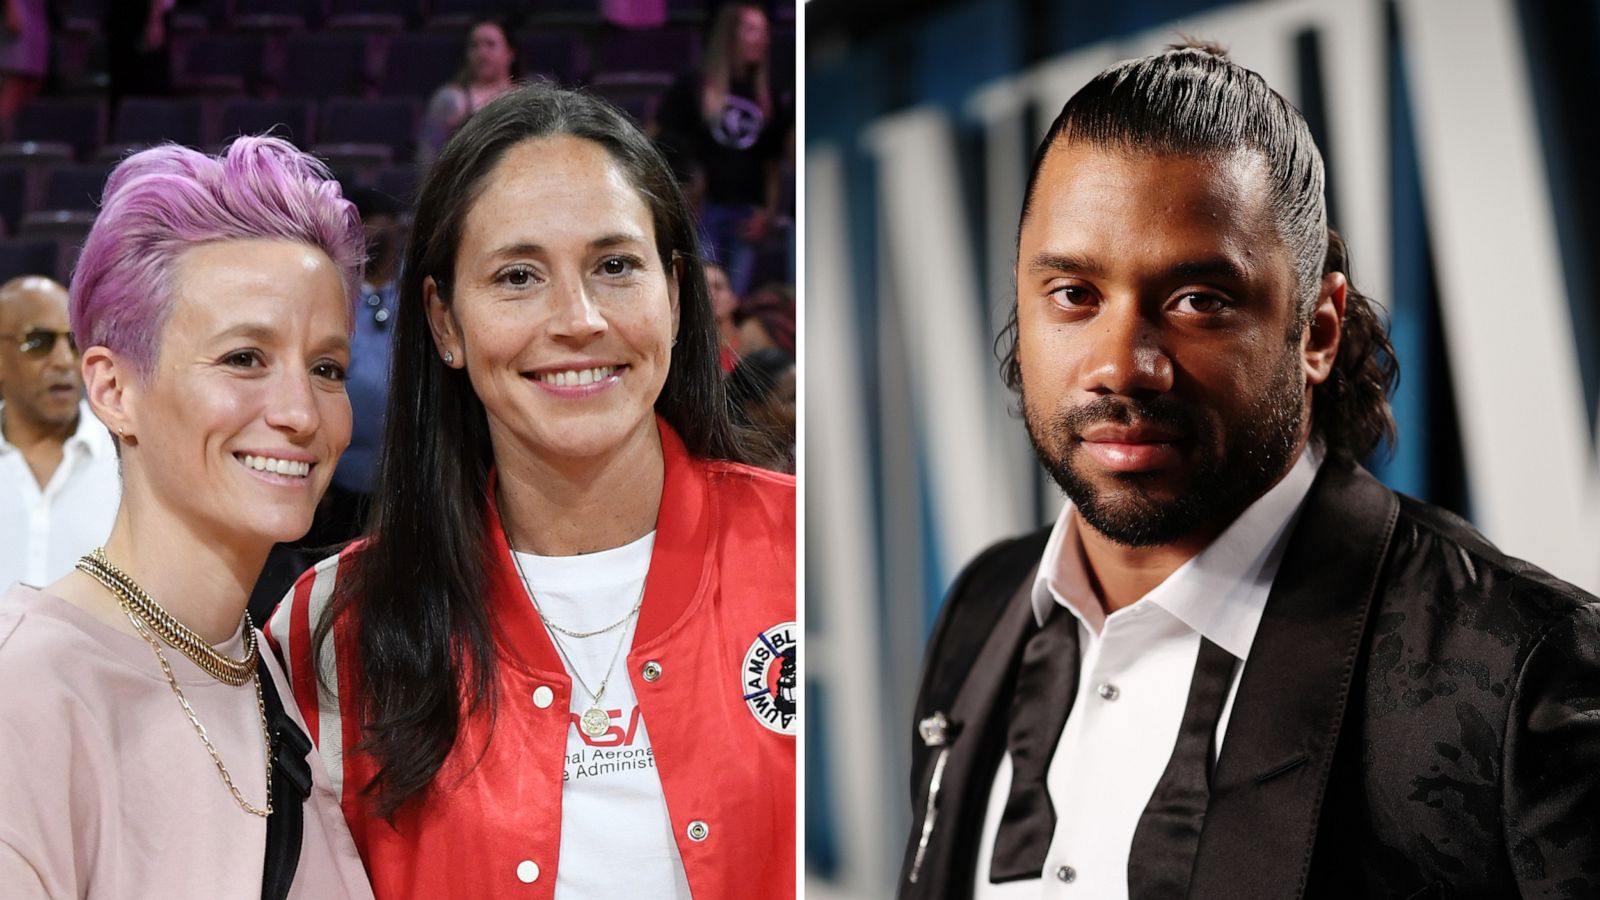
x=651 y=670
x=1066 y=874
x=1108 y=691
x=542 y=698
x=527 y=871
x=698 y=831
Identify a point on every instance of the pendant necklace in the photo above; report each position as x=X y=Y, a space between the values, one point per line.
x=594 y=721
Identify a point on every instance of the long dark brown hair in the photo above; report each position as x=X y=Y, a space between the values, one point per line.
x=417 y=589
x=1192 y=100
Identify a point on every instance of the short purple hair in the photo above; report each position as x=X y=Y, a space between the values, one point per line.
x=163 y=201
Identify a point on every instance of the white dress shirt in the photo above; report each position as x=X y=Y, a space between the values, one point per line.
x=1133 y=683
x=43 y=530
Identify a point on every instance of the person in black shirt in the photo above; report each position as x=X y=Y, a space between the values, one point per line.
x=725 y=115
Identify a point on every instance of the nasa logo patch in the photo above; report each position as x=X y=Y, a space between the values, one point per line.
x=769 y=677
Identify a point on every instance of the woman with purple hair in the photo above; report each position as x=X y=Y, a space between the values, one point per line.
x=144 y=747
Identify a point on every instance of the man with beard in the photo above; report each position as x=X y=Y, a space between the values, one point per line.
x=1237 y=665
x=58 y=466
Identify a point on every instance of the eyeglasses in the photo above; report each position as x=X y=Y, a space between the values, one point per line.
x=41 y=341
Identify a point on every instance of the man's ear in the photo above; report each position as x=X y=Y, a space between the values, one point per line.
x=112 y=388
x=442 y=322
x=1319 y=345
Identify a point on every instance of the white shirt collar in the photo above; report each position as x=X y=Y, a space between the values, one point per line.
x=91 y=435
x=1219 y=593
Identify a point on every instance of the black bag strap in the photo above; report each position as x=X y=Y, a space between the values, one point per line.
x=291 y=785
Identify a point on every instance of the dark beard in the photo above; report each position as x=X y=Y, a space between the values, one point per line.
x=1256 y=452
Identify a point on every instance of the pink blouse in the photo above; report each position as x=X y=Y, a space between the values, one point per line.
x=107 y=791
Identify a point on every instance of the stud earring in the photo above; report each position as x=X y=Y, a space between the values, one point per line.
x=449 y=358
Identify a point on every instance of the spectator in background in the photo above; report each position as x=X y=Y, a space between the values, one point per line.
x=764 y=389
x=489 y=70
x=766 y=319
x=725 y=116
x=367 y=382
x=724 y=302
x=24 y=56
x=58 y=468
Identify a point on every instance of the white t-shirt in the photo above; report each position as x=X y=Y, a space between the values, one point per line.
x=616 y=837
x=44 y=529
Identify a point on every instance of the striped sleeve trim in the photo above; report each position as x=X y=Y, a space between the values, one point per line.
x=330 y=723
x=289 y=630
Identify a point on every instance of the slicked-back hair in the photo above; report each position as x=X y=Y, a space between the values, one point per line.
x=418 y=588
x=162 y=201
x=1192 y=101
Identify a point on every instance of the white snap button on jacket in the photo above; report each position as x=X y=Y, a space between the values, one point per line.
x=1108 y=691
x=698 y=831
x=651 y=670
x=528 y=870
x=542 y=698
x=1066 y=874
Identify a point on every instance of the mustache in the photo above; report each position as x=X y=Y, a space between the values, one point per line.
x=1163 y=412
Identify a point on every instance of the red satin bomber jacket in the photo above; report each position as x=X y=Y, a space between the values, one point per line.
x=712 y=663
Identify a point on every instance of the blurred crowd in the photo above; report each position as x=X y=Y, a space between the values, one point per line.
x=374 y=88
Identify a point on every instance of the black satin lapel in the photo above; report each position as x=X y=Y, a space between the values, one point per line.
x=1266 y=793
x=978 y=720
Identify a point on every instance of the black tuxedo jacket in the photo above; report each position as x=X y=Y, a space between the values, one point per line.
x=1419 y=716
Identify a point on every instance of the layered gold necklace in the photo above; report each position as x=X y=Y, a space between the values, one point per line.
x=147 y=616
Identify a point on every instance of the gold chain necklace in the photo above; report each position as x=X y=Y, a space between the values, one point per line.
x=594 y=721
x=120 y=588
x=232 y=672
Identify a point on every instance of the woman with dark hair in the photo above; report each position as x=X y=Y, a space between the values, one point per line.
x=566 y=650
x=764 y=388
x=488 y=70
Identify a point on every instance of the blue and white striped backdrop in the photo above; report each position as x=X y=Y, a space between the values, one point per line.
x=1459 y=137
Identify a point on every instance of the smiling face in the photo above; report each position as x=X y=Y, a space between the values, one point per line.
x=561 y=311
x=239 y=426
x=39 y=378
x=1164 y=373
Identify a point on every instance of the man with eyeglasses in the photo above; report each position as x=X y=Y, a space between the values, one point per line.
x=59 y=485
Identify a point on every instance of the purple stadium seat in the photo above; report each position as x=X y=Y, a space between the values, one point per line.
x=222 y=62
x=375 y=15
x=686 y=12
x=79 y=122
x=75 y=188
x=556 y=53
x=285 y=118
x=325 y=65
x=418 y=63
x=460 y=13
x=27 y=256
x=143 y=121
x=580 y=13
x=391 y=122
x=273 y=15
x=80 y=15
x=66 y=228
x=638 y=93
x=13 y=194
x=670 y=50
